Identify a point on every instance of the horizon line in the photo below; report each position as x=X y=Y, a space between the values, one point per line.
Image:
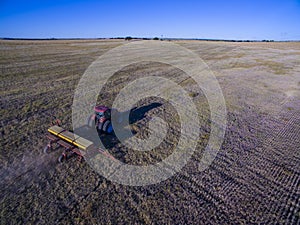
x=147 y=38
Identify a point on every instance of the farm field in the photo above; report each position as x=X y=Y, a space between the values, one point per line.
x=255 y=177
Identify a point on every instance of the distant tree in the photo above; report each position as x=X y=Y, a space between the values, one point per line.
x=128 y=38
x=156 y=38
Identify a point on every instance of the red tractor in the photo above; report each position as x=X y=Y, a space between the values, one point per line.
x=101 y=119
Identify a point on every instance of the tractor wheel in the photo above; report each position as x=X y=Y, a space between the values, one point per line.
x=99 y=127
x=107 y=127
x=91 y=121
x=62 y=158
x=47 y=149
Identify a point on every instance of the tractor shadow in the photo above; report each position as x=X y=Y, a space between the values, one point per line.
x=110 y=141
x=137 y=114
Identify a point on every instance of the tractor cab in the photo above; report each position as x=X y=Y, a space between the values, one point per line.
x=102 y=112
x=102 y=119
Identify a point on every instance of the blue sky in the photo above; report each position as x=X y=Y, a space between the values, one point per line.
x=256 y=19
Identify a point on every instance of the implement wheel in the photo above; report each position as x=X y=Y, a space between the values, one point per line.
x=47 y=149
x=62 y=158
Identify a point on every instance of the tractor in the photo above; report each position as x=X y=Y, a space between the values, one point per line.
x=75 y=144
x=101 y=119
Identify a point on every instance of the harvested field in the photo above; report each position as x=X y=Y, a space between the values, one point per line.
x=255 y=177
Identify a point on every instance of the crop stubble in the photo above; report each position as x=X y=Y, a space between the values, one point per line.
x=254 y=178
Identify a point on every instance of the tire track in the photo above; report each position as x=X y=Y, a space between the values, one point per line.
x=200 y=191
x=279 y=150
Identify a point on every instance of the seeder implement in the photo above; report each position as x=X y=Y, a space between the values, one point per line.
x=72 y=143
